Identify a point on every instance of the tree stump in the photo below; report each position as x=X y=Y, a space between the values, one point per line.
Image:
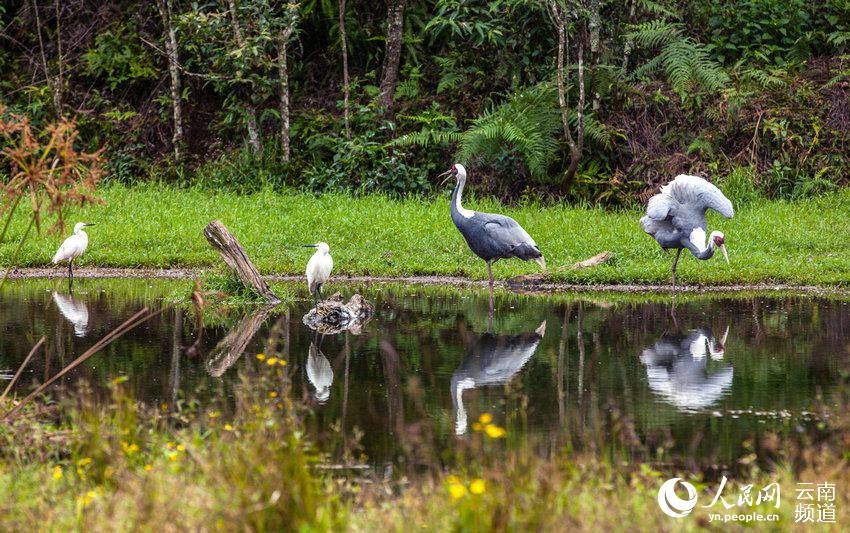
x=235 y=257
x=333 y=316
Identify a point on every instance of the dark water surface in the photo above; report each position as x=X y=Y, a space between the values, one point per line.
x=555 y=371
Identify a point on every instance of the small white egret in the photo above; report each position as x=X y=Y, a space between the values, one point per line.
x=319 y=269
x=72 y=248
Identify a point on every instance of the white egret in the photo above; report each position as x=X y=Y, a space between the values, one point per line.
x=72 y=248
x=319 y=269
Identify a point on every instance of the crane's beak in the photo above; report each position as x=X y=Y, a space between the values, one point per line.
x=447 y=174
x=725 y=253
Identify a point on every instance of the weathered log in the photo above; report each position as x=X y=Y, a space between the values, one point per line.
x=235 y=257
x=332 y=316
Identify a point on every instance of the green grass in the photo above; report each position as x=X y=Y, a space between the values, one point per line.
x=800 y=242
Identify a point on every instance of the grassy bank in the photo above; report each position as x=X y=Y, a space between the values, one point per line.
x=801 y=242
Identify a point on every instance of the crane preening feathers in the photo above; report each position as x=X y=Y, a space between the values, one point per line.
x=72 y=248
x=490 y=236
x=675 y=218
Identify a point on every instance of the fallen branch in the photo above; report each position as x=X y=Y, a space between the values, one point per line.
x=21 y=368
x=531 y=279
x=233 y=254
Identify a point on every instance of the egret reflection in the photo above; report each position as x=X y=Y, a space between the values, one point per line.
x=678 y=369
x=320 y=373
x=75 y=311
x=491 y=360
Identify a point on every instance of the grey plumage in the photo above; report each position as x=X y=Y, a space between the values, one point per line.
x=490 y=236
x=675 y=217
x=492 y=360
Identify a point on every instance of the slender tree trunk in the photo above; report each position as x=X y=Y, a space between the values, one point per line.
x=594 y=26
x=346 y=82
x=392 y=57
x=55 y=85
x=170 y=37
x=576 y=144
x=627 y=48
x=283 y=71
x=250 y=109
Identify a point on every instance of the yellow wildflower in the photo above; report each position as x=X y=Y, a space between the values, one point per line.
x=485 y=418
x=148 y=468
x=172 y=456
x=273 y=394
x=181 y=448
x=477 y=426
x=214 y=414
x=228 y=427
x=84 y=461
x=170 y=445
x=457 y=491
x=271 y=361
x=57 y=472
x=261 y=356
x=477 y=486
x=494 y=432
x=282 y=362
x=452 y=480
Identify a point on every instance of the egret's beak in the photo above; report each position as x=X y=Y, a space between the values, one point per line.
x=448 y=175
x=725 y=253
x=90 y=224
x=310 y=245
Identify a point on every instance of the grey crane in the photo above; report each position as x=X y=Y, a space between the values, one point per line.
x=675 y=218
x=491 y=360
x=490 y=236
x=678 y=370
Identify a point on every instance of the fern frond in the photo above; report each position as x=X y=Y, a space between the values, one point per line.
x=655 y=33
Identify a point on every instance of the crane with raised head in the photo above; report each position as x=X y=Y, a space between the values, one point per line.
x=675 y=218
x=490 y=236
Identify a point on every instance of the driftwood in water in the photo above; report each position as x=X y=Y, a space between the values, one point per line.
x=235 y=257
x=332 y=316
x=232 y=346
x=533 y=279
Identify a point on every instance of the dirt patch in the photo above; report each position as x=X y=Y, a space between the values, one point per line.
x=538 y=286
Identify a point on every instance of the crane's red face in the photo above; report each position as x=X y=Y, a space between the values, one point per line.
x=718 y=241
x=454 y=169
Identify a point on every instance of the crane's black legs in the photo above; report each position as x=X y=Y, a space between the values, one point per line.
x=673 y=270
x=490 y=273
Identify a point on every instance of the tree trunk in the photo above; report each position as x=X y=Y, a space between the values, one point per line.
x=576 y=144
x=250 y=109
x=164 y=7
x=392 y=57
x=345 y=78
x=55 y=85
x=283 y=71
x=235 y=257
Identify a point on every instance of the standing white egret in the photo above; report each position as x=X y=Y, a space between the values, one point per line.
x=675 y=218
x=319 y=269
x=72 y=248
x=490 y=236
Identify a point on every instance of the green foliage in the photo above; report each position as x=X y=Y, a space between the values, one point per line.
x=687 y=64
x=119 y=57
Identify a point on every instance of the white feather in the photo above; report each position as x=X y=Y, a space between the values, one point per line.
x=319 y=267
x=74 y=246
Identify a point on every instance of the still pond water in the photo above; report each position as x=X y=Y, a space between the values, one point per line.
x=555 y=371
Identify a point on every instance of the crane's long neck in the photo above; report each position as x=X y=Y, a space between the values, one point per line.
x=457 y=207
x=697 y=244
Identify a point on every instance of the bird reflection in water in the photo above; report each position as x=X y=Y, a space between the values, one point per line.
x=492 y=360
x=320 y=373
x=75 y=311
x=678 y=369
